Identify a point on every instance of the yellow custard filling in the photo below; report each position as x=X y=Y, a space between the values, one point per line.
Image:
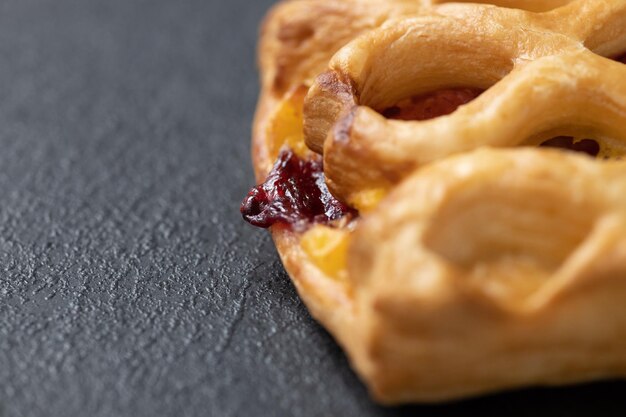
x=327 y=248
x=285 y=125
x=365 y=201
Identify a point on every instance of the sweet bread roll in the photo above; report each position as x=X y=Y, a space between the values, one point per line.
x=445 y=186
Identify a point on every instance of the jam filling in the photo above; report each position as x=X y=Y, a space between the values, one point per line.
x=621 y=58
x=294 y=193
x=588 y=146
x=431 y=105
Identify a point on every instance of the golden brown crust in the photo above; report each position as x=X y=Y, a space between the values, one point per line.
x=516 y=273
x=300 y=36
x=284 y=67
x=479 y=272
x=513 y=53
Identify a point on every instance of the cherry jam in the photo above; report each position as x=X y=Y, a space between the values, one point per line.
x=294 y=194
x=431 y=105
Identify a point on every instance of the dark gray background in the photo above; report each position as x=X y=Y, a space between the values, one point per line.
x=129 y=286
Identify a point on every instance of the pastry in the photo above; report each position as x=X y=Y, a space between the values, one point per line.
x=444 y=183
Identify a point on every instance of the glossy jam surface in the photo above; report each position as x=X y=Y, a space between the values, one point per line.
x=588 y=146
x=431 y=105
x=294 y=194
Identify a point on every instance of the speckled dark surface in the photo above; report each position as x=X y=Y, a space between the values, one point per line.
x=129 y=286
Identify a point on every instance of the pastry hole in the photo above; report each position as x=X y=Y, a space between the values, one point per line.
x=430 y=105
x=510 y=237
x=596 y=142
x=424 y=59
x=588 y=146
x=620 y=58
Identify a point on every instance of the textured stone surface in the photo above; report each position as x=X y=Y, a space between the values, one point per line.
x=129 y=286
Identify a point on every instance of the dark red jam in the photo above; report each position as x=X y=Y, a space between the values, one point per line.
x=588 y=146
x=294 y=193
x=431 y=105
x=621 y=58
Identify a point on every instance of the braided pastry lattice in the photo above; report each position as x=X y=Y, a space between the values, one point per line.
x=480 y=262
x=541 y=76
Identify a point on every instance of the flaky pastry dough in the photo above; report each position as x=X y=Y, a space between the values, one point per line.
x=479 y=262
